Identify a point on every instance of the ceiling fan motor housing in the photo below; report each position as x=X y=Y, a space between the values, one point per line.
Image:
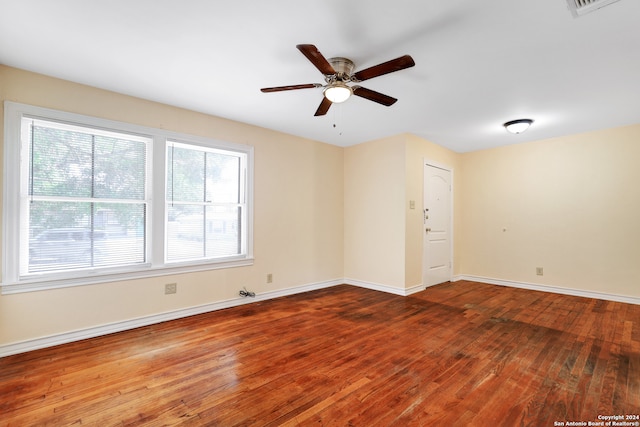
x=343 y=67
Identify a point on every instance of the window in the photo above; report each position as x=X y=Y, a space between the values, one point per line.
x=89 y=200
x=205 y=202
x=85 y=204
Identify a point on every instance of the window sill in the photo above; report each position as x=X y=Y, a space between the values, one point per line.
x=92 y=277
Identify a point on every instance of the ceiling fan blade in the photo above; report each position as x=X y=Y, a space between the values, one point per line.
x=316 y=58
x=292 y=87
x=374 y=96
x=324 y=107
x=397 y=64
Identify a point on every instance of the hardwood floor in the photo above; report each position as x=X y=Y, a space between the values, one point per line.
x=457 y=354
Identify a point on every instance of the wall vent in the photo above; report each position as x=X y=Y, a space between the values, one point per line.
x=580 y=7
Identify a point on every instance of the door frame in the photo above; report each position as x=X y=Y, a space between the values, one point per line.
x=428 y=162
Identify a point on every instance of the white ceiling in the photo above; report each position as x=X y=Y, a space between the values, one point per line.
x=478 y=63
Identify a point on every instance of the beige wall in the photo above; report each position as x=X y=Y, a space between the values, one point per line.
x=383 y=236
x=298 y=217
x=570 y=205
x=374 y=212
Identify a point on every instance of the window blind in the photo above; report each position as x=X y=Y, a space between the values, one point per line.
x=86 y=197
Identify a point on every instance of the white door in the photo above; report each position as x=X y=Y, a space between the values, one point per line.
x=436 y=258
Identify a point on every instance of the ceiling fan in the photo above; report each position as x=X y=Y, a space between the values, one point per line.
x=338 y=72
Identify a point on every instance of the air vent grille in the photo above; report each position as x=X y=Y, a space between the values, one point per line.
x=580 y=7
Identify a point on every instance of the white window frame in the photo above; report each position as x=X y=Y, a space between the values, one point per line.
x=13 y=282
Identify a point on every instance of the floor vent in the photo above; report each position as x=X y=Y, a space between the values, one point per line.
x=580 y=7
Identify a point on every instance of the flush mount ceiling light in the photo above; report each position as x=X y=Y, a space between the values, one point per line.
x=337 y=92
x=518 y=126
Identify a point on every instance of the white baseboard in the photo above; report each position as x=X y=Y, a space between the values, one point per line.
x=67 y=337
x=385 y=288
x=551 y=289
x=414 y=289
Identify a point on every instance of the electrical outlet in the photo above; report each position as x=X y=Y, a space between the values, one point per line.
x=170 y=288
x=539 y=271
x=269 y=278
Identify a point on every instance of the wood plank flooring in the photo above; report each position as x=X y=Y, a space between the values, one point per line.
x=457 y=354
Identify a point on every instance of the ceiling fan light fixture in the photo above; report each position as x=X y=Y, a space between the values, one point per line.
x=337 y=92
x=518 y=126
